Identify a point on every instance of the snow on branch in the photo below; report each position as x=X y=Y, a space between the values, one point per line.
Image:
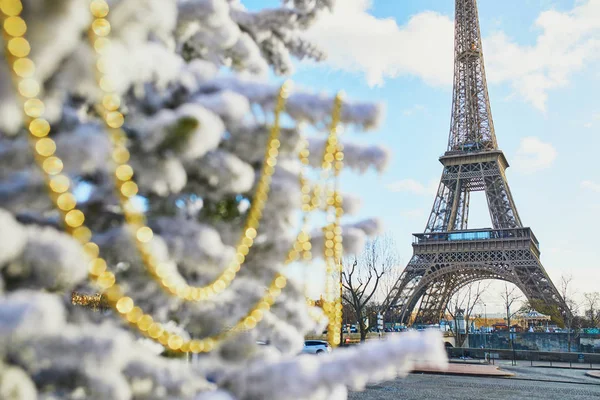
x=190 y=130
x=354 y=236
x=353 y=367
x=351 y=204
x=358 y=157
x=301 y=105
x=222 y=173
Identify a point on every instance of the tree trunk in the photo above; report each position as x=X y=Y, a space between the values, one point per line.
x=363 y=330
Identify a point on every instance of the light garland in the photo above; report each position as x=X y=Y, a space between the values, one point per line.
x=333 y=231
x=44 y=149
x=127 y=188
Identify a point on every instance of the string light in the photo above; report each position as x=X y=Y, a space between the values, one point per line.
x=73 y=221
x=127 y=188
x=73 y=218
x=333 y=232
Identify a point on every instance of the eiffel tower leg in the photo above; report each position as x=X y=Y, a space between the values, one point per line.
x=440 y=212
x=500 y=201
x=434 y=303
x=537 y=285
x=402 y=296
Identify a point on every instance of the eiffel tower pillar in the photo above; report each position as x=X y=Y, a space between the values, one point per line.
x=448 y=255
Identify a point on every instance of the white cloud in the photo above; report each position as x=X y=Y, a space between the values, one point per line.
x=379 y=48
x=412 y=186
x=534 y=155
x=593 y=186
x=413 y=110
x=359 y=42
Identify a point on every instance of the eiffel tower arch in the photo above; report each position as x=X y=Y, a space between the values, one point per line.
x=448 y=255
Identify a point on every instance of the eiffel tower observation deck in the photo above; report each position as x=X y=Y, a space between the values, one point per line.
x=448 y=255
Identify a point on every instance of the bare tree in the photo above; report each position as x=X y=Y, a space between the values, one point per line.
x=362 y=276
x=389 y=280
x=591 y=306
x=462 y=304
x=567 y=295
x=509 y=297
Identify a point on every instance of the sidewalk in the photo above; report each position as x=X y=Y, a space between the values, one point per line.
x=468 y=370
x=593 y=374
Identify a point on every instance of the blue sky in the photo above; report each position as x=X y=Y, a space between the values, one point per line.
x=542 y=62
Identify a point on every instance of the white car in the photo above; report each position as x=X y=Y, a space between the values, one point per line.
x=316 y=347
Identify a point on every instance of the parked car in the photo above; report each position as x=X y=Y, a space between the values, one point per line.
x=316 y=347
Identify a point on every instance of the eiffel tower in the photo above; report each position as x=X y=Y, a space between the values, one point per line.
x=448 y=256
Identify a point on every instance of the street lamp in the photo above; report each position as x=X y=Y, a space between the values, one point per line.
x=486 y=327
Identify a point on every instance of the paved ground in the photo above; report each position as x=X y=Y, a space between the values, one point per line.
x=469 y=369
x=528 y=383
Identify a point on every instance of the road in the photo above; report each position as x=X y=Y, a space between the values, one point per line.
x=529 y=383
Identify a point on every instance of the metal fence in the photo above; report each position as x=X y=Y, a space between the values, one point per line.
x=532 y=358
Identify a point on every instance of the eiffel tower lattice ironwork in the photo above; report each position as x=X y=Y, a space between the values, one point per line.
x=448 y=256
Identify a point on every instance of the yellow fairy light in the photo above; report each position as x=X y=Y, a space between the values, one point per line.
x=111 y=102
x=164 y=338
x=99 y=8
x=114 y=119
x=11 y=7
x=52 y=165
x=144 y=322
x=106 y=279
x=101 y=27
x=120 y=155
x=102 y=64
x=24 y=67
x=274 y=291
x=155 y=330
x=29 y=88
x=251 y=233
x=74 y=218
x=82 y=234
x=39 y=127
x=45 y=147
x=280 y=282
x=107 y=84
x=34 y=108
x=124 y=305
x=249 y=322
x=257 y=314
x=59 y=184
x=101 y=45
x=65 y=201
x=15 y=26
x=97 y=266
x=196 y=346
x=175 y=342
x=19 y=47
x=91 y=249
x=114 y=293
x=263 y=306
x=129 y=189
x=135 y=315
x=209 y=344
x=144 y=234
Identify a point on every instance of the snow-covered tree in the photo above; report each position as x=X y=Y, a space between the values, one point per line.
x=191 y=79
